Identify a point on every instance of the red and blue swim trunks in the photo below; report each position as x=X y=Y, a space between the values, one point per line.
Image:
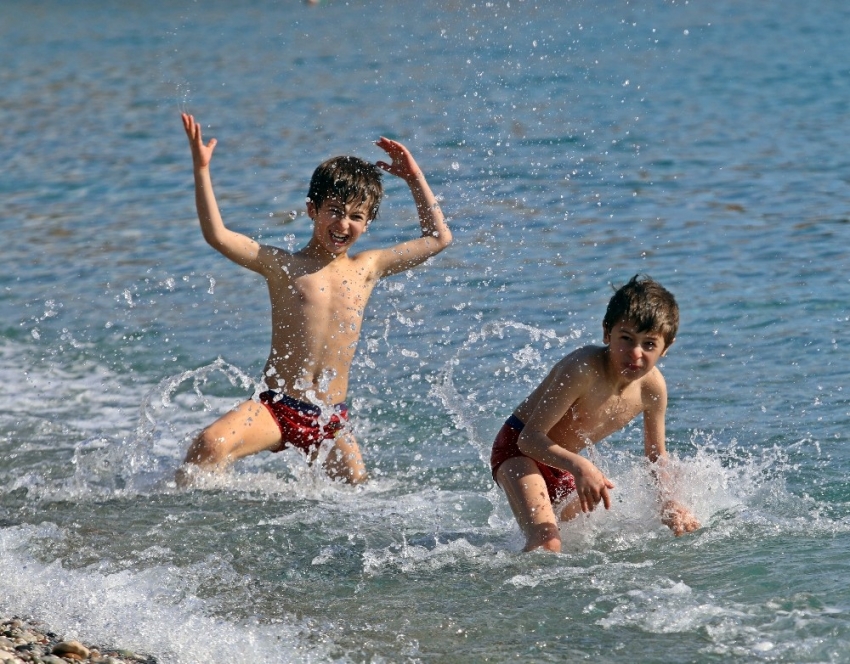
x=301 y=424
x=559 y=483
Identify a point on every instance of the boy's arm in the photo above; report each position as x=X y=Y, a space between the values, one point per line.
x=237 y=247
x=570 y=379
x=436 y=235
x=674 y=515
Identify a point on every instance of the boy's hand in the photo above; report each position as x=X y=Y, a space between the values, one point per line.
x=201 y=154
x=592 y=486
x=678 y=518
x=403 y=165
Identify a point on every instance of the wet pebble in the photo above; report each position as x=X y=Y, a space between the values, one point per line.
x=71 y=650
x=53 y=659
x=31 y=642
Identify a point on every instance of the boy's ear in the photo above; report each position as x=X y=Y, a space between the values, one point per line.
x=311 y=209
x=606 y=334
x=667 y=347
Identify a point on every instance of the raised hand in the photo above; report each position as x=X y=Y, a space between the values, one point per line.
x=201 y=154
x=403 y=164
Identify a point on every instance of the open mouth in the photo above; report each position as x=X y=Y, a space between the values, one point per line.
x=338 y=238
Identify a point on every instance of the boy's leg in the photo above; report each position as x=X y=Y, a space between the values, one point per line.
x=528 y=497
x=247 y=429
x=345 y=461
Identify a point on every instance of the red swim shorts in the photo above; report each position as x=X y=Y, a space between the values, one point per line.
x=299 y=421
x=559 y=483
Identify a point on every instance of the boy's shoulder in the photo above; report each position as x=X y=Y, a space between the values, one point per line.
x=653 y=385
x=274 y=258
x=591 y=363
x=585 y=358
x=586 y=363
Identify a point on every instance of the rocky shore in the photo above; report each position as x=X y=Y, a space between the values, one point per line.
x=31 y=642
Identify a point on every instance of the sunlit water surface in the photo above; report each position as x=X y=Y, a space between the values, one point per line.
x=574 y=145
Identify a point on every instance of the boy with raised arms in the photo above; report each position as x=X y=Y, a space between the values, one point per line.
x=591 y=393
x=318 y=298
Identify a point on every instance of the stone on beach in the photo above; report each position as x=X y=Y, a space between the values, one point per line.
x=71 y=650
x=30 y=641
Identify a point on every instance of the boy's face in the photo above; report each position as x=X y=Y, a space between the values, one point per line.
x=337 y=225
x=633 y=354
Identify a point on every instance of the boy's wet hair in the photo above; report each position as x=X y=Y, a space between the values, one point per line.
x=348 y=180
x=646 y=304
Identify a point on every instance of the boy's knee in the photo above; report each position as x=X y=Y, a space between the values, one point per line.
x=208 y=450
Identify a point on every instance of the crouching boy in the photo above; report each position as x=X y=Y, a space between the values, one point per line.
x=591 y=393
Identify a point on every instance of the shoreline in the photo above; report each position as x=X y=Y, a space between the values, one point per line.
x=28 y=640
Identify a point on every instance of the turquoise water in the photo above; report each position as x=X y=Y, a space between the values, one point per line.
x=573 y=145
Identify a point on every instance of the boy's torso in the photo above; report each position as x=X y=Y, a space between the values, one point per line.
x=317 y=314
x=603 y=406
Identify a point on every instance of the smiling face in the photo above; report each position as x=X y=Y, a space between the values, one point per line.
x=337 y=225
x=633 y=354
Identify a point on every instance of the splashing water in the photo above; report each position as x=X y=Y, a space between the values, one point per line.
x=718 y=168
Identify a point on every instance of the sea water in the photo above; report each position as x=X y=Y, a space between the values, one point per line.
x=573 y=145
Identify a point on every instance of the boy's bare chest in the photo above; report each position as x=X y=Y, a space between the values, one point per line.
x=332 y=291
x=600 y=413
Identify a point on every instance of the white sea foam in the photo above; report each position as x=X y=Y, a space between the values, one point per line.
x=81 y=395
x=733 y=629
x=409 y=558
x=125 y=440
x=152 y=611
x=667 y=607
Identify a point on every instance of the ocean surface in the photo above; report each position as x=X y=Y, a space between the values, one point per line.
x=573 y=145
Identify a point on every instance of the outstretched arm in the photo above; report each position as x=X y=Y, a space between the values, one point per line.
x=674 y=514
x=235 y=246
x=436 y=236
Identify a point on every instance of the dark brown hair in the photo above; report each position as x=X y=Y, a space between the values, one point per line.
x=646 y=304
x=349 y=180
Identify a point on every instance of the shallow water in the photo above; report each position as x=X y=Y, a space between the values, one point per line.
x=573 y=146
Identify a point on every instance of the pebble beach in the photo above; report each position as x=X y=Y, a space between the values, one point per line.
x=28 y=640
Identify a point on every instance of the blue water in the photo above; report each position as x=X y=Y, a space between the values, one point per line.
x=573 y=145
